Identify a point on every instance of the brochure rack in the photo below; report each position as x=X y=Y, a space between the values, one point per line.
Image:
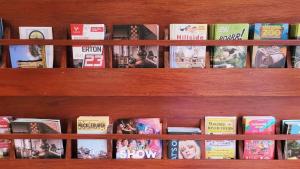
x=180 y=97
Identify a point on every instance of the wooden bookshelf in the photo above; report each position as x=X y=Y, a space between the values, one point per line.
x=180 y=97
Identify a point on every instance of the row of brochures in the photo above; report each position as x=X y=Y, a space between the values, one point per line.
x=149 y=148
x=40 y=56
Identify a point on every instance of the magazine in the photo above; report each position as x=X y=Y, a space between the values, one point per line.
x=138 y=148
x=259 y=149
x=136 y=56
x=91 y=56
x=4 y=129
x=33 y=56
x=184 y=149
x=220 y=125
x=188 y=56
x=38 y=148
x=92 y=148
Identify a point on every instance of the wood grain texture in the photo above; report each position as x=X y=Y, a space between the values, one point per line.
x=150 y=82
x=150 y=164
x=183 y=111
x=178 y=97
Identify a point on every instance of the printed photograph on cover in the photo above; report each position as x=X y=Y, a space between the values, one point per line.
x=38 y=148
x=292 y=147
x=4 y=129
x=136 y=56
x=296 y=57
x=229 y=56
x=141 y=148
x=184 y=149
x=92 y=148
x=259 y=149
x=27 y=56
x=293 y=150
x=295 y=34
x=220 y=125
x=188 y=56
x=91 y=56
x=220 y=149
x=270 y=56
x=33 y=56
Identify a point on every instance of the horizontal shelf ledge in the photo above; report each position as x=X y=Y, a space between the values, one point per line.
x=149 y=164
x=149 y=82
x=141 y=136
x=65 y=42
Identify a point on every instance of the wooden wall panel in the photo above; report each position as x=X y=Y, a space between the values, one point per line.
x=164 y=107
x=150 y=82
x=60 y=14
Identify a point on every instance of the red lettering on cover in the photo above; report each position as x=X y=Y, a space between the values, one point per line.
x=93 y=61
x=77 y=29
x=97 y=29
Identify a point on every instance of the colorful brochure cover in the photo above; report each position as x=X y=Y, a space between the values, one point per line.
x=188 y=56
x=259 y=149
x=270 y=56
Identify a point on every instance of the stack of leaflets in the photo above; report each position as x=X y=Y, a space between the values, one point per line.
x=184 y=149
x=37 y=148
x=91 y=56
x=259 y=149
x=33 y=56
x=136 y=56
x=269 y=56
x=229 y=56
x=141 y=148
x=220 y=149
x=188 y=56
x=292 y=147
x=295 y=33
x=92 y=148
x=4 y=129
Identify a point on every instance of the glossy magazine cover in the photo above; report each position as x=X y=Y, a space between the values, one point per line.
x=38 y=148
x=269 y=56
x=220 y=125
x=4 y=129
x=136 y=56
x=292 y=147
x=230 y=56
x=90 y=56
x=138 y=149
x=33 y=56
x=184 y=149
x=92 y=148
x=259 y=149
x=188 y=56
x=295 y=34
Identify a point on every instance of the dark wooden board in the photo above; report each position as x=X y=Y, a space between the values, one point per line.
x=150 y=82
x=150 y=164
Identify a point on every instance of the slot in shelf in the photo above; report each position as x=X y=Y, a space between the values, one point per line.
x=71 y=138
